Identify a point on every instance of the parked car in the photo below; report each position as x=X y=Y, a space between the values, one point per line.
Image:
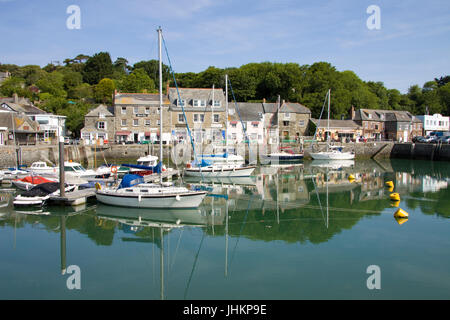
x=418 y=139
x=444 y=140
x=429 y=139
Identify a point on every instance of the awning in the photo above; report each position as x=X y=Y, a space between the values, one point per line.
x=123 y=133
x=148 y=133
x=233 y=122
x=255 y=122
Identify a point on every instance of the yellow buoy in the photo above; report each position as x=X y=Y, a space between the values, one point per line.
x=98 y=186
x=394 y=196
x=400 y=213
x=395 y=204
x=389 y=184
x=351 y=178
x=390 y=189
x=401 y=220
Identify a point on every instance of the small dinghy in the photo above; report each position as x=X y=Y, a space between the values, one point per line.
x=38 y=195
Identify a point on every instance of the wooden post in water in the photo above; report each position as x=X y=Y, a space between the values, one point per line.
x=61 y=167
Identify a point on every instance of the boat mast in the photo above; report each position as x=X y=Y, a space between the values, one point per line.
x=226 y=115
x=160 y=105
x=328 y=122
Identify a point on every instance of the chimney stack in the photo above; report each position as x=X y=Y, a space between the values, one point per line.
x=16 y=98
x=264 y=100
x=352 y=112
x=284 y=101
x=167 y=87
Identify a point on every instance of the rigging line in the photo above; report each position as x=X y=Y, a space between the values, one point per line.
x=176 y=250
x=179 y=97
x=240 y=118
x=194 y=265
x=320 y=117
x=318 y=198
x=240 y=231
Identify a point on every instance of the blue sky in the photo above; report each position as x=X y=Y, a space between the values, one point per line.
x=411 y=47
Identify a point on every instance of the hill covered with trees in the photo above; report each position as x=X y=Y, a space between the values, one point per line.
x=81 y=83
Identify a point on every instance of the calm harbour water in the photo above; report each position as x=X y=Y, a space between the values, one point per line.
x=285 y=233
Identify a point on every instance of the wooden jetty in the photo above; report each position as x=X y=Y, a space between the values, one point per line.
x=74 y=198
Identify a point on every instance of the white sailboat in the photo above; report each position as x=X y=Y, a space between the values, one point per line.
x=132 y=192
x=332 y=152
x=220 y=169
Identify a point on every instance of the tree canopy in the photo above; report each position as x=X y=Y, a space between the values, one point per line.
x=88 y=80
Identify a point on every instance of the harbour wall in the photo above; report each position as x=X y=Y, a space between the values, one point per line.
x=92 y=156
x=421 y=151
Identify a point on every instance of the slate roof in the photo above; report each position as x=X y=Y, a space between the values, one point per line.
x=248 y=111
x=291 y=107
x=101 y=109
x=190 y=94
x=138 y=99
x=6 y=121
x=336 y=123
x=384 y=115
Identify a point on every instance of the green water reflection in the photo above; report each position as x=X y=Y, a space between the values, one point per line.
x=291 y=232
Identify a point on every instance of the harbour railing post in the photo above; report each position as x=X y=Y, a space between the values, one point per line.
x=61 y=167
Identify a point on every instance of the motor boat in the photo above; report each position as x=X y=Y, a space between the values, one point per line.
x=41 y=168
x=39 y=194
x=333 y=153
x=208 y=170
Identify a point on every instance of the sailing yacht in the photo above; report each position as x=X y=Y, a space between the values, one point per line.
x=285 y=154
x=209 y=169
x=332 y=152
x=133 y=192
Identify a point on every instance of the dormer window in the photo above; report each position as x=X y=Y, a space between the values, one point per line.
x=199 y=103
x=181 y=102
x=216 y=103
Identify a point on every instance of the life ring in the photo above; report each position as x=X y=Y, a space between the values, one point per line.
x=98 y=186
x=114 y=169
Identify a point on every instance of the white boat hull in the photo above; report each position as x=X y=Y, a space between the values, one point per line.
x=188 y=200
x=210 y=172
x=332 y=155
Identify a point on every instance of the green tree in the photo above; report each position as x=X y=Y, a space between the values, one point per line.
x=97 y=67
x=14 y=85
x=52 y=83
x=137 y=81
x=104 y=90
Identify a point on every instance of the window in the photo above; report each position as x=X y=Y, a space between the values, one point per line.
x=101 y=125
x=180 y=118
x=123 y=110
x=199 y=103
x=181 y=102
x=101 y=116
x=287 y=115
x=254 y=125
x=147 y=110
x=216 y=103
x=147 y=122
x=301 y=123
x=233 y=125
x=199 y=118
x=286 y=123
x=216 y=118
x=233 y=136
x=135 y=122
x=123 y=122
x=136 y=110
